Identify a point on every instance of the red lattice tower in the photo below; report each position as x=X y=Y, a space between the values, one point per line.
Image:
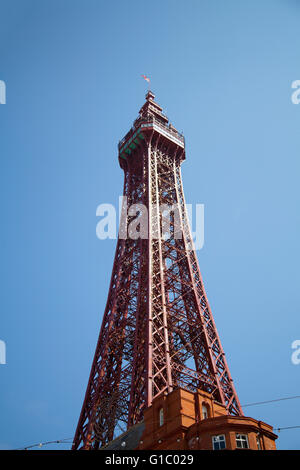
x=158 y=332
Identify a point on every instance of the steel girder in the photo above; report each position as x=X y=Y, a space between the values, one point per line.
x=158 y=332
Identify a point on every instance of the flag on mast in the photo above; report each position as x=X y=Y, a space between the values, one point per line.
x=146 y=78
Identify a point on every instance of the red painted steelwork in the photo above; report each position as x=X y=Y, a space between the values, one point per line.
x=158 y=331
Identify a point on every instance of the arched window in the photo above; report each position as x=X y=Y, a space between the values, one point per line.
x=205 y=411
x=161 y=416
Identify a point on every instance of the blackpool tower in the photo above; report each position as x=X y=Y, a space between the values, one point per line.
x=158 y=334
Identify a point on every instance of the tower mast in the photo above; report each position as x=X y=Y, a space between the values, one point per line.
x=158 y=333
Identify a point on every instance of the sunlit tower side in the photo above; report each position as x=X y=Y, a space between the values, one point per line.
x=158 y=333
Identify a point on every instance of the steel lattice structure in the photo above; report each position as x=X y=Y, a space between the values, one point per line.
x=158 y=332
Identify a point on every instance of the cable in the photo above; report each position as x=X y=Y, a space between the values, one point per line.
x=287 y=427
x=41 y=444
x=270 y=401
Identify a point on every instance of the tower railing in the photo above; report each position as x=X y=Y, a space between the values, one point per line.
x=148 y=120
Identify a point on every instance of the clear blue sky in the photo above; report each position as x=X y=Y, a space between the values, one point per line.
x=223 y=73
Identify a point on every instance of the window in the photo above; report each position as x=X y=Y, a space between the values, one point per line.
x=204 y=411
x=219 y=442
x=258 y=442
x=242 y=441
x=161 y=417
